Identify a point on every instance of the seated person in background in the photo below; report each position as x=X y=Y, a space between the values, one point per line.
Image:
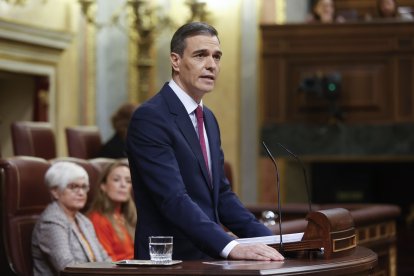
x=115 y=147
x=389 y=9
x=113 y=212
x=63 y=236
x=323 y=11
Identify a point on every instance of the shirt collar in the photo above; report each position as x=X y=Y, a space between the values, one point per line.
x=188 y=102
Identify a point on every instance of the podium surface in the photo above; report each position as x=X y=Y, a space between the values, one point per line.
x=361 y=262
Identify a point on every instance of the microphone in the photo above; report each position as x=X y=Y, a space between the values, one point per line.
x=304 y=174
x=278 y=196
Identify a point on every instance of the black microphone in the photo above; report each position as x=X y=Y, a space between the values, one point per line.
x=304 y=174
x=278 y=197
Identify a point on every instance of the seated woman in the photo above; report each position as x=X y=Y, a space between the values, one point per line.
x=323 y=11
x=389 y=9
x=113 y=212
x=62 y=235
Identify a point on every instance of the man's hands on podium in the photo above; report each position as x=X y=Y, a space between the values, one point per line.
x=258 y=251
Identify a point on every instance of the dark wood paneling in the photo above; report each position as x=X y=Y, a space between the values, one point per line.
x=374 y=59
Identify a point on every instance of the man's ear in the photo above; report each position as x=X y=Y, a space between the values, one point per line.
x=175 y=61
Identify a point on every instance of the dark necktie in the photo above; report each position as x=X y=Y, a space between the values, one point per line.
x=200 y=128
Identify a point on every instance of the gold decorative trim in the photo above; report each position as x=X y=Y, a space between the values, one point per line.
x=336 y=248
x=392 y=253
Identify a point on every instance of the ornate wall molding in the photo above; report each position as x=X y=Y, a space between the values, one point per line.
x=35 y=51
x=34 y=36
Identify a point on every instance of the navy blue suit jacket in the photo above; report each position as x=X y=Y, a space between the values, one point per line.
x=170 y=182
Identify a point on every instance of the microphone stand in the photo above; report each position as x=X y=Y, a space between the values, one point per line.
x=304 y=174
x=278 y=197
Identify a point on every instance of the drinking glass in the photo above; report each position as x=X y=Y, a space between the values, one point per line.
x=161 y=248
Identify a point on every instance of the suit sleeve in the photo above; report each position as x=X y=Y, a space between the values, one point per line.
x=231 y=211
x=237 y=218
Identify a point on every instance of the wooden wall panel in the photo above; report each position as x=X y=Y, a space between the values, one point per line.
x=363 y=94
x=375 y=61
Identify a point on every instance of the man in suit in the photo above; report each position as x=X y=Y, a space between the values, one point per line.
x=176 y=161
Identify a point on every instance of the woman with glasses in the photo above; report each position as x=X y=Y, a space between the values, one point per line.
x=113 y=212
x=62 y=235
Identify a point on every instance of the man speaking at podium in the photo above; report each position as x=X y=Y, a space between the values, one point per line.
x=176 y=162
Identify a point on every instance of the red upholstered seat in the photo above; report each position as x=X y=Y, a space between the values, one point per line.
x=83 y=141
x=23 y=198
x=33 y=139
x=101 y=163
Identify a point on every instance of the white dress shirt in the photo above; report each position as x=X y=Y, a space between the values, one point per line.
x=191 y=105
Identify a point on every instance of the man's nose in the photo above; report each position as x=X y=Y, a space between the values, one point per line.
x=210 y=63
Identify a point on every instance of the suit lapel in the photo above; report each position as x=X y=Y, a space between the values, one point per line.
x=186 y=127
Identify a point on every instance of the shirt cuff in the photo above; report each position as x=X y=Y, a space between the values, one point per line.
x=229 y=247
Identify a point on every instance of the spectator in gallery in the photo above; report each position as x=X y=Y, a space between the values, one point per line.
x=113 y=212
x=389 y=9
x=323 y=11
x=115 y=146
x=63 y=235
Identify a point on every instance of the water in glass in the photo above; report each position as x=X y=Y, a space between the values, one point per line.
x=160 y=249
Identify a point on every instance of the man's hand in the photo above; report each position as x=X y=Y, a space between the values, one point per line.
x=259 y=251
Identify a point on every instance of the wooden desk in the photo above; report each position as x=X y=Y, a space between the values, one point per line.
x=361 y=262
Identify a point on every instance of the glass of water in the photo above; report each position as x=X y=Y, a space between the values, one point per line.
x=161 y=248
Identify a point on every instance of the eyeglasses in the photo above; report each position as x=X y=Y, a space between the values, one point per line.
x=75 y=188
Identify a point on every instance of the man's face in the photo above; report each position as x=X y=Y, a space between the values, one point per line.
x=198 y=68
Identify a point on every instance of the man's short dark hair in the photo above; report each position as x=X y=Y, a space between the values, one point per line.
x=188 y=30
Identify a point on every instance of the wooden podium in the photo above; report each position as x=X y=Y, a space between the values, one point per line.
x=360 y=262
x=332 y=230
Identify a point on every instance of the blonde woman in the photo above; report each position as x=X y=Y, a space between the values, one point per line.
x=113 y=212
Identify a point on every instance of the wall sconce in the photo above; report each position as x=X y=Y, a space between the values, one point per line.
x=145 y=23
x=198 y=10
